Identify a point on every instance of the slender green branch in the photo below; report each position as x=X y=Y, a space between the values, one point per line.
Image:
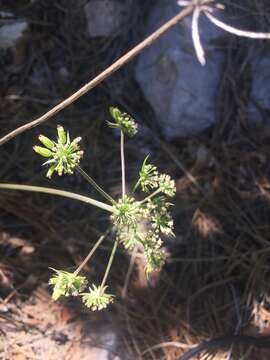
x=123 y=164
x=94 y=184
x=58 y=192
x=109 y=264
x=135 y=187
x=150 y=196
x=92 y=251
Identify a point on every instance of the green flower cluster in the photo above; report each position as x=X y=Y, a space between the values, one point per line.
x=65 y=283
x=166 y=185
x=142 y=223
x=150 y=179
x=161 y=219
x=126 y=212
x=96 y=298
x=154 y=254
x=123 y=121
x=138 y=223
x=64 y=155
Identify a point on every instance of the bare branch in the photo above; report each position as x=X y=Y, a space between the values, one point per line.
x=196 y=36
x=233 y=30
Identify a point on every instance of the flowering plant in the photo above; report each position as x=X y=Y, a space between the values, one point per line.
x=136 y=222
x=64 y=155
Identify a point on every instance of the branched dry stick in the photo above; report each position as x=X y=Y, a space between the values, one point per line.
x=207 y=7
x=101 y=77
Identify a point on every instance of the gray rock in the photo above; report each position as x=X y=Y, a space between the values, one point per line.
x=180 y=90
x=260 y=89
x=11 y=32
x=104 y=17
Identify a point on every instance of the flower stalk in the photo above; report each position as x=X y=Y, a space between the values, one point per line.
x=92 y=251
x=59 y=192
x=94 y=184
x=149 y=197
x=108 y=268
x=123 y=164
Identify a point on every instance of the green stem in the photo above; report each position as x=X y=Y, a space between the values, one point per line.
x=91 y=252
x=109 y=264
x=150 y=196
x=94 y=184
x=123 y=165
x=136 y=186
x=58 y=192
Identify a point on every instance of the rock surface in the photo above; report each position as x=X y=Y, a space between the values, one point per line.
x=10 y=33
x=259 y=103
x=180 y=90
x=104 y=17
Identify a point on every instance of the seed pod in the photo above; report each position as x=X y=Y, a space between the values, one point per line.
x=61 y=135
x=50 y=171
x=46 y=142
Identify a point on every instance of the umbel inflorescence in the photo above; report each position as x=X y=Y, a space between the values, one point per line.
x=63 y=155
x=136 y=223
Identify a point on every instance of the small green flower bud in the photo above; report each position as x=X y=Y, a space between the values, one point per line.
x=42 y=151
x=51 y=171
x=61 y=135
x=76 y=140
x=115 y=113
x=46 y=142
x=123 y=121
